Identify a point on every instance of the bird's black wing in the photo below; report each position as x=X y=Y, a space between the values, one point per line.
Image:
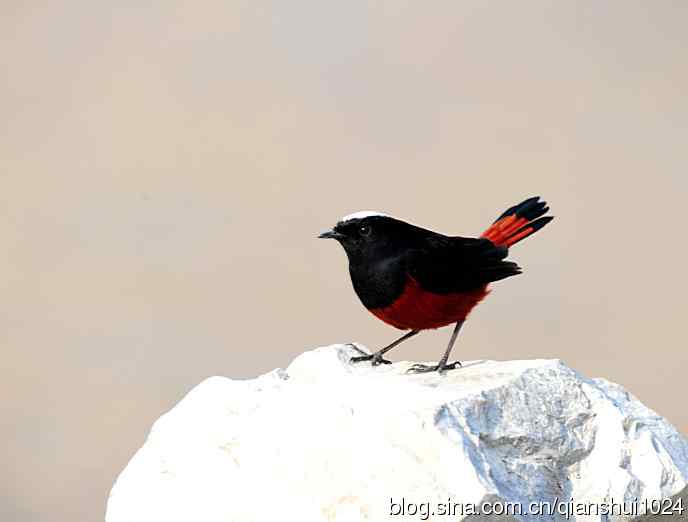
x=443 y=264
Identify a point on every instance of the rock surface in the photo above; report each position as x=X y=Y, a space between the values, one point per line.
x=325 y=440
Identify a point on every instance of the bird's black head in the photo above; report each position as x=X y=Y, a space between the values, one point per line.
x=368 y=236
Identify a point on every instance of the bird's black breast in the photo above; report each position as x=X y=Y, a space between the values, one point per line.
x=378 y=283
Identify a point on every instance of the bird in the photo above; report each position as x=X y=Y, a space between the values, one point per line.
x=415 y=279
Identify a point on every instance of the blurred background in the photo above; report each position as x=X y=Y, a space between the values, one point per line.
x=166 y=167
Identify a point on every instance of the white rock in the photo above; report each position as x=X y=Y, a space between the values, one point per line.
x=325 y=440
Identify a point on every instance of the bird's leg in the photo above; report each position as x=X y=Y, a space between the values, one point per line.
x=376 y=358
x=442 y=365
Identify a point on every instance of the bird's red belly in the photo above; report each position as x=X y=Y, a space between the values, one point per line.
x=418 y=309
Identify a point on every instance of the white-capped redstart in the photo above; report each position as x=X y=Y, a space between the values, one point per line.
x=416 y=279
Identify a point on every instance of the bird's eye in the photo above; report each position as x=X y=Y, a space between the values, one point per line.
x=364 y=230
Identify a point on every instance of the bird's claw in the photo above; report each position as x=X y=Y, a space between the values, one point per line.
x=374 y=358
x=427 y=368
x=353 y=346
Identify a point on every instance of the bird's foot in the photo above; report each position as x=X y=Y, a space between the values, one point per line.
x=374 y=358
x=427 y=368
x=353 y=346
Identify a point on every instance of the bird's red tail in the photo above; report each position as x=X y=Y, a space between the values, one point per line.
x=518 y=222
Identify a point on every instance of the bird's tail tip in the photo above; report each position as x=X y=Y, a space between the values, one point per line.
x=518 y=222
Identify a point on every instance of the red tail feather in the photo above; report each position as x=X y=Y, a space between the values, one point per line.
x=518 y=223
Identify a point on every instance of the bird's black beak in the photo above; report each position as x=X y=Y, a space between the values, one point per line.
x=331 y=234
